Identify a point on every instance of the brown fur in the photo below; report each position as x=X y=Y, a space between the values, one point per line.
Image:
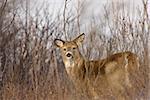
x=114 y=70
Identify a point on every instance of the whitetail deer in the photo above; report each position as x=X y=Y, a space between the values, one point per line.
x=115 y=69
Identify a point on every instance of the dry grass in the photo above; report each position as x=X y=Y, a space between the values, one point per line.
x=32 y=69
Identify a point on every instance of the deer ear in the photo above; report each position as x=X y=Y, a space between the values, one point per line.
x=79 y=39
x=59 y=42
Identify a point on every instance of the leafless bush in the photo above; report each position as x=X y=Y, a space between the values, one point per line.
x=30 y=65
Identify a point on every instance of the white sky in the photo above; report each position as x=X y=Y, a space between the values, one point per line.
x=92 y=4
x=94 y=7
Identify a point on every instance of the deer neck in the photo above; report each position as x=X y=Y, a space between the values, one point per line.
x=73 y=66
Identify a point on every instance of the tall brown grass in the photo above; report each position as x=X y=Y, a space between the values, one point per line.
x=31 y=67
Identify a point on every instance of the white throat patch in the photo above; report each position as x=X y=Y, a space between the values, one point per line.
x=69 y=64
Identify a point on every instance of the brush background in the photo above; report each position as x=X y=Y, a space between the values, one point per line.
x=31 y=67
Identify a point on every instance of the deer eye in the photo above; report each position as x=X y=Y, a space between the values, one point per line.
x=64 y=49
x=74 y=48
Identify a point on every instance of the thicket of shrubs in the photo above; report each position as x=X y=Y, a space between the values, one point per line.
x=31 y=67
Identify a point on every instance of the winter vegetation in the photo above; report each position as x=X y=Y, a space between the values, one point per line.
x=31 y=67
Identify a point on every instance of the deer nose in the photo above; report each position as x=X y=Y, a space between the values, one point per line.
x=68 y=55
